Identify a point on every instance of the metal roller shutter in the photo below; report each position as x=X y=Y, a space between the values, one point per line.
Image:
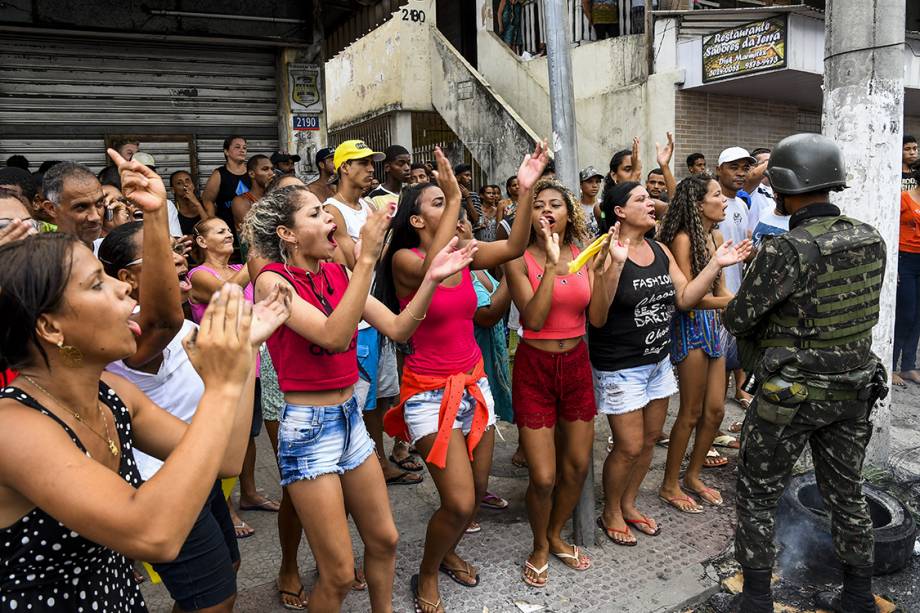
x=61 y=99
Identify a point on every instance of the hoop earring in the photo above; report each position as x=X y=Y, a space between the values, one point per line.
x=70 y=355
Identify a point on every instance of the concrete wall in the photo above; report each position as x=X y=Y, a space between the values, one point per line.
x=496 y=136
x=388 y=69
x=613 y=99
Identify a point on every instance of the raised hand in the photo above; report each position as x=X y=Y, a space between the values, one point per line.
x=16 y=230
x=182 y=244
x=445 y=177
x=550 y=242
x=140 y=184
x=532 y=167
x=728 y=254
x=664 y=154
x=373 y=233
x=220 y=348
x=270 y=314
x=451 y=259
x=636 y=162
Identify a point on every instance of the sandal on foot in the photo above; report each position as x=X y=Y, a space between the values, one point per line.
x=708 y=495
x=691 y=507
x=359 y=584
x=299 y=596
x=582 y=562
x=896 y=379
x=736 y=427
x=405 y=478
x=616 y=541
x=648 y=530
x=714 y=459
x=452 y=573
x=419 y=602
x=473 y=528
x=726 y=441
x=519 y=462
x=267 y=505
x=407 y=463
x=241 y=530
x=537 y=572
x=491 y=501
x=663 y=442
x=744 y=402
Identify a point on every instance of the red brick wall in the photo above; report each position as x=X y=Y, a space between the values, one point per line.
x=709 y=123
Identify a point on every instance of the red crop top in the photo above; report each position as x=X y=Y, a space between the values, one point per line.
x=571 y=296
x=303 y=366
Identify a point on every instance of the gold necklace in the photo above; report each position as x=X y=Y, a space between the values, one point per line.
x=113 y=448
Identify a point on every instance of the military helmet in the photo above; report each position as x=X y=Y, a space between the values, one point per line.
x=804 y=163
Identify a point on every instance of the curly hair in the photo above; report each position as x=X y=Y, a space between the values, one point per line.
x=260 y=227
x=683 y=215
x=576 y=230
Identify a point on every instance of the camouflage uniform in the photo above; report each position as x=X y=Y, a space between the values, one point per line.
x=803 y=317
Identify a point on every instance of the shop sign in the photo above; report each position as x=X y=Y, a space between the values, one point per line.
x=746 y=49
x=305 y=88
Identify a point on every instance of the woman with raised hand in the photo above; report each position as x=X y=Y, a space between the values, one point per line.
x=690 y=231
x=445 y=407
x=629 y=339
x=553 y=400
x=324 y=450
x=72 y=504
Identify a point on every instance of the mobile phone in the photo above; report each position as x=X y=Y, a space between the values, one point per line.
x=109 y=213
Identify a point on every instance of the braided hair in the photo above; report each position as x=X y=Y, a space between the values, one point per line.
x=683 y=215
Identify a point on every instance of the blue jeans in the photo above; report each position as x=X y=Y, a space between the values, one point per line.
x=906 y=316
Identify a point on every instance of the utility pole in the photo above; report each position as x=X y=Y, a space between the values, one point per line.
x=565 y=154
x=864 y=112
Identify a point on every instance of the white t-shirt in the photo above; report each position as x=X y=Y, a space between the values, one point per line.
x=354 y=221
x=176 y=387
x=734 y=228
x=172 y=214
x=761 y=202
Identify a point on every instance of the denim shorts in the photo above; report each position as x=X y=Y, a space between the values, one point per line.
x=203 y=575
x=630 y=389
x=368 y=350
x=422 y=410
x=314 y=441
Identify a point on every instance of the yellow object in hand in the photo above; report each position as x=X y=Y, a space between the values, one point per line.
x=589 y=252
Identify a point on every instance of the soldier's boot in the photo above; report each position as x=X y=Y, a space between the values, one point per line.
x=856 y=596
x=757 y=596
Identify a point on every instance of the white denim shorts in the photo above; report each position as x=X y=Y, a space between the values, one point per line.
x=630 y=389
x=422 y=410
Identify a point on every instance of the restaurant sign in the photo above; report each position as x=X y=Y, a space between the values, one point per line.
x=746 y=49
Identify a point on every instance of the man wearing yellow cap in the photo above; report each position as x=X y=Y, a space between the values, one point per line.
x=354 y=169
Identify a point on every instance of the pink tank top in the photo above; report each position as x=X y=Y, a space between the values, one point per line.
x=571 y=295
x=198 y=308
x=443 y=344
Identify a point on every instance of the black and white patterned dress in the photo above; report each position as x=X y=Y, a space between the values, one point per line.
x=45 y=566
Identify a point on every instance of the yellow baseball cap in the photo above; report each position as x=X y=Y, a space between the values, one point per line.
x=354 y=150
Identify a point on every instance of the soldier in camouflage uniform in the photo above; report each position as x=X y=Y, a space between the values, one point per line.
x=803 y=318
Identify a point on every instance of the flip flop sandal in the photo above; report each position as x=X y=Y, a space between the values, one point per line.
x=491 y=501
x=473 y=528
x=267 y=505
x=649 y=531
x=664 y=442
x=403 y=478
x=726 y=441
x=452 y=573
x=695 y=509
x=714 y=498
x=408 y=463
x=359 y=584
x=298 y=596
x=582 y=562
x=736 y=427
x=744 y=402
x=418 y=601
x=519 y=463
x=536 y=571
x=242 y=526
x=714 y=459
x=607 y=531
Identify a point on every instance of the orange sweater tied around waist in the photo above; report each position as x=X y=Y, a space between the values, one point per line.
x=413 y=383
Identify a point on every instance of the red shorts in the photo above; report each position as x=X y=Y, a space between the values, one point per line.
x=548 y=385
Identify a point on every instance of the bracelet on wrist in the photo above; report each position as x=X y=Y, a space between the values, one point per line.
x=412 y=315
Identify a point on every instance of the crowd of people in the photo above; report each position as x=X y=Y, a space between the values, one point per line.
x=146 y=340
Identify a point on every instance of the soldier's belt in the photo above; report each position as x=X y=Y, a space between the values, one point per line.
x=823 y=394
